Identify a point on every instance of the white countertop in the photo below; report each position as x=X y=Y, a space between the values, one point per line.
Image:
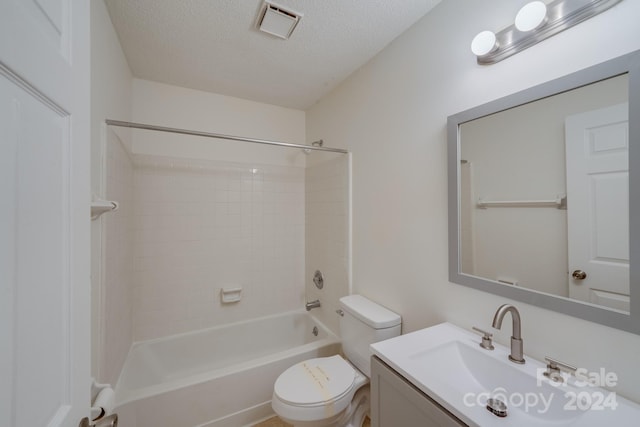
x=446 y=363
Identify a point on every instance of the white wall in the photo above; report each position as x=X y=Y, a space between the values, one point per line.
x=110 y=273
x=117 y=259
x=172 y=106
x=392 y=115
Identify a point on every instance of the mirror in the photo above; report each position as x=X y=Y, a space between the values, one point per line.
x=540 y=182
x=541 y=195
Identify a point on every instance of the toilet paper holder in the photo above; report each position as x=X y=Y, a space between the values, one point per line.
x=102 y=407
x=103 y=404
x=108 y=421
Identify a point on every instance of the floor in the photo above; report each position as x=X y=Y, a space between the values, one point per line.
x=273 y=422
x=277 y=422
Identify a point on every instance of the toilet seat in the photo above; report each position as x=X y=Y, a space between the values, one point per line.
x=315 y=381
x=315 y=388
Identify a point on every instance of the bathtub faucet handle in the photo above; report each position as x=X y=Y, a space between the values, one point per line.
x=312 y=304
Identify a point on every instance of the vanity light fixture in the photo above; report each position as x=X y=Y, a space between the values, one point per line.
x=484 y=43
x=535 y=22
x=532 y=15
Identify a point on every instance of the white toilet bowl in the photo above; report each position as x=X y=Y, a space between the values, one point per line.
x=322 y=392
x=331 y=391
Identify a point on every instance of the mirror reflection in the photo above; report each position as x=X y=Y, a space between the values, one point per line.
x=544 y=195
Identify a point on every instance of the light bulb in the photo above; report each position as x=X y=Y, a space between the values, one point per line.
x=484 y=43
x=531 y=16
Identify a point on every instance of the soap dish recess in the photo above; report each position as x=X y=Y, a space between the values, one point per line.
x=230 y=295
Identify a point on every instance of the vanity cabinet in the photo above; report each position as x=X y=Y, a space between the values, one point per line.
x=395 y=402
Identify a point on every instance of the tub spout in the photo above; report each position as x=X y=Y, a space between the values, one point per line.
x=312 y=304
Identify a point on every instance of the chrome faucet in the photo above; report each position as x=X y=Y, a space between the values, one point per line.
x=312 y=304
x=516 y=355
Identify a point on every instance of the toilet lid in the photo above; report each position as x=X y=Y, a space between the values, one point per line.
x=315 y=381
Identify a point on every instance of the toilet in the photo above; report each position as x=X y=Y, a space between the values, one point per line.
x=332 y=391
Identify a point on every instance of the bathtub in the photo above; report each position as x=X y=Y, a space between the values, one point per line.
x=217 y=377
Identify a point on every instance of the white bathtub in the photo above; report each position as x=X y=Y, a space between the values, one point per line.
x=218 y=377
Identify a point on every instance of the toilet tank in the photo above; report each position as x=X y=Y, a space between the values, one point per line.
x=363 y=323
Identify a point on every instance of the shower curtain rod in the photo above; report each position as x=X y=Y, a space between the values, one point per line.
x=219 y=136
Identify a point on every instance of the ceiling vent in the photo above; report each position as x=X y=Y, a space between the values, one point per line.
x=277 y=21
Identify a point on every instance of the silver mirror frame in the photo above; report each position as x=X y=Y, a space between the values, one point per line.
x=629 y=63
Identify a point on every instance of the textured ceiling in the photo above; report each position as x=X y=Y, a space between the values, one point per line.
x=213 y=45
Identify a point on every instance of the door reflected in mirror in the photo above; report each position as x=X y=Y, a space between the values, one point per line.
x=544 y=195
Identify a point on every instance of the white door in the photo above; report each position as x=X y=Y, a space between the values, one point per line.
x=44 y=213
x=598 y=206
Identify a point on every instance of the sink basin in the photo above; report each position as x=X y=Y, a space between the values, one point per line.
x=476 y=377
x=447 y=364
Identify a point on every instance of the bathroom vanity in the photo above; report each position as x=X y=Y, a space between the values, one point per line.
x=442 y=376
x=396 y=402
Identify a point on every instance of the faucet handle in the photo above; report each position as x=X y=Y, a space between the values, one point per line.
x=486 y=339
x=555 y=366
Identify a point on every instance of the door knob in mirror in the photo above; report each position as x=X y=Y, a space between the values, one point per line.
x=579 y=275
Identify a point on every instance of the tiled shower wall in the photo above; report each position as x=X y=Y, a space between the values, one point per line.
x=327 y=232
x=117 y=254
x=201 y=226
